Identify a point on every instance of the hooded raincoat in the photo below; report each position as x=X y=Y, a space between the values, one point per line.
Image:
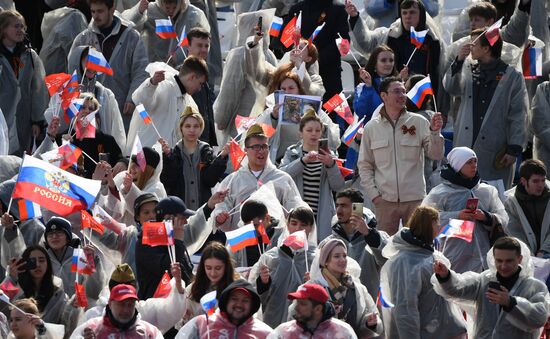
x=405 y=281
x=540 y=123
x=219 y=326
x=524 y=320
x=450 y=198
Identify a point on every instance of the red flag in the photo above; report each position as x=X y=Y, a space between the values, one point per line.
x=343 y=46
x=236 y=154
x=492 y=34
x=268 y=130
x=9 y=288
x=344 y=111
x=263 y=233
x=333 y=102
x=89 y=222
x=243 y=123
x=287 y=38
x=86 y=127
x=70 y=91
x=164 y=288
x=80 y=293
x=154 y=234
x=344 y=170
x=55 y=82
x=297 y=241
x=69 y=154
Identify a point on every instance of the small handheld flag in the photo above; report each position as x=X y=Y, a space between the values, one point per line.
x=87 y=221
x=493 y=32
x=352 y=130
x=164 y=287
x=80 y=293
x=80 y=263
x=316 y=32
x=98 y=63
x=381 y=301
x=156 y=234
x=462 y=229
x=532 y=63
x=262 y=232
x=333 y=102
x=73 y=109
x=276 y=26
x=297 y=35
x=63 y=157
x=86 y=128
x=242 y=237
x=28 y=210
x=137 y=149
x=208 y=303
x=344 y=111
x=287 y=38
x=164 y=29
x=417 y=38
x=183 y=38
x=343 y=46
x=243 y=123
x=143 y=114
x=236 y=154
x=297 y=241
x=106 y=220
x=56 y=82
x=421 y=89
x=10 y=289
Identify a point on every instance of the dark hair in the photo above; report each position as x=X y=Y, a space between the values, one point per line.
x=253 y=209
x=194 y=65
x=201 y=283
x=108 y=3
x=310 y=118
x=373 y=60
x=420 y=223
x=507 y=243
x=406 y=4
x=259 y=136
x=352 y=194
x=530 y=167
x=47 y=288
x=303 y=214
x=496 y=49
x=198 y=32
x=426 y=104
x=385 y=84
x=483 y=9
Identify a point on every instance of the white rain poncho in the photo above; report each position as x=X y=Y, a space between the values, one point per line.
x=524 y=320
x=450 y=199
x=365 y=304
x=59 y=28
x=4 y=135
x=163 y=313
x=405 y=281
x=286 y=275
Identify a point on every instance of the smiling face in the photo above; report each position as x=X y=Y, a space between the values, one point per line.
x=257 y=151
x=337 y=261
x=147 y=212
x=215 y=270
x=14 y=32
x=396 y=96
x=506 y=261
x=20 y=325
x=384 y=63
x=56 y=239
x=239 y=306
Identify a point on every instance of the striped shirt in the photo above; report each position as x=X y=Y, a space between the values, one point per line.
x=312 y=182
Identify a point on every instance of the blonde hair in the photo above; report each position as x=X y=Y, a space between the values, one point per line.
x=87 y=96
x=191 y=113
x=6 y=18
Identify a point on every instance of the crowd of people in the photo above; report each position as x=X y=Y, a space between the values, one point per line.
x=241 y=193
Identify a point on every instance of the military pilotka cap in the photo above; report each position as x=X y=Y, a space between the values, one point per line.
x=188 y=111
x=255 y=131
x=123 y=274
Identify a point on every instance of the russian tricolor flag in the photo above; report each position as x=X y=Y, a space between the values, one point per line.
x=137 y=150
x=316 y=32
x=417 y=38
x=532 y=63
x=208 y=303
x=98 y=63
x=53 y=188
x=276 y=26
x=164 y=29
x=73 y=109
x=420 y=90
x=183 y=38
x=242 y=237
x=64 y=156
x=143 y=114
x=79 y=262
x=70 y=91
x=352 y=130
x=28 y=210
x=381 y=301
x=462 y=229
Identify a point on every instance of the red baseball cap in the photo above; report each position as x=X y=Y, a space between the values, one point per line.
x=313 y=292
x=123 y=292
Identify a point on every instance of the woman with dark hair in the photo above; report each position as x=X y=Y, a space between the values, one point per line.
x=314 y=171
x=405 y=281
x=41 y=284
x=214 y=273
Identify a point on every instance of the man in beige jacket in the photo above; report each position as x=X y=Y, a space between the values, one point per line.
x=391 y=157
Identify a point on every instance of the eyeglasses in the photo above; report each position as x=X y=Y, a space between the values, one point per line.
x=259 y=147
x=398 y=91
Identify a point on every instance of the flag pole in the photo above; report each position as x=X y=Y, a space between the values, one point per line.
x=351 y=52
x=89 y=157
x=156 y=130
x=83 y=75
x=407 y=64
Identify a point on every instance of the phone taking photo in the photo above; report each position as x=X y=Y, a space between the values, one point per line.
x=323 y=144
x=260 y=32
x=471 y=204
x=357 y=209
x=30 y=264
x=494 y=285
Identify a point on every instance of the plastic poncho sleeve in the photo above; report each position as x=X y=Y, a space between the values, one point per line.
x=4 y=135
x=12 y=245
x=164 y=313
x=365 y=39
x=233 y=82
x=132 y=14
x=516 y=30
x=196 y=231
x=370 y=307
x=463 y=286
x=530 y=314
x=540 y=121
x=189 y=330
x=40 y=97
x=257 y=68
